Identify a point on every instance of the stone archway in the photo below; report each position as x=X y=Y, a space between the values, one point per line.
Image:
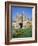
x=21 y=25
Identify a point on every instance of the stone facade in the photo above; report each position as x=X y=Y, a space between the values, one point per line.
x=21 y=20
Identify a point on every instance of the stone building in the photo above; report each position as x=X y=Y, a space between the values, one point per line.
x=22 y=21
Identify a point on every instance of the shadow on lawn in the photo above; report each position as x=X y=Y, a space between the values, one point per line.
x=21 y=33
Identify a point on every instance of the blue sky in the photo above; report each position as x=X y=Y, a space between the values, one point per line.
x=15 y=10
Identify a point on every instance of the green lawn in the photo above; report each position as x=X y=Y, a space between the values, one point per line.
x=21 y=33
